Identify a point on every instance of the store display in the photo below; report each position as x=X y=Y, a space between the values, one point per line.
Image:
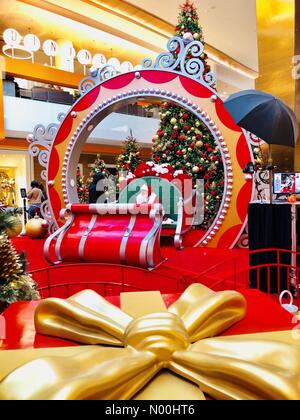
x=132 y=289
x=7 y=189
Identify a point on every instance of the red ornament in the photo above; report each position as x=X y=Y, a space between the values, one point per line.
x=213 y=193
x=186 y=128
x=181 y=138
x=157 y=158
x=160 y=133
x=198 y=136
x=207 y=145
x=166 y=105
x=192 y=145
x=179 y=153
x=175 y=134
x=214 y=158
x=185 y=116
x=206 y=176
x=210 y=150
x=221 y=182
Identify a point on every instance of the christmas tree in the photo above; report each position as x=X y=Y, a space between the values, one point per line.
x=98 y=166
x=108 y=183
x=82 y=190
x=129 y=159
x=15 y=284
x=185 y=142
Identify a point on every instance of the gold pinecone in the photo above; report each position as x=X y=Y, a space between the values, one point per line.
x=10 y=267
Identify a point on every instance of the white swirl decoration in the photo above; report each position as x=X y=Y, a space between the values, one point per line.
x=41 y=142
x=96 y=77
x=188 y=61
x=47 y=215
x=89 y=82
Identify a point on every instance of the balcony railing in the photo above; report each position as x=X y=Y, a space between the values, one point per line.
x=22 y=115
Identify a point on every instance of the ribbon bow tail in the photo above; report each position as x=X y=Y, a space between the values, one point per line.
x=206 y=313
x=101 y=373
x=233 y=368
x=85 y=318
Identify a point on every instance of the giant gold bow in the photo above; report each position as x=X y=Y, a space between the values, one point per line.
x=178 y=340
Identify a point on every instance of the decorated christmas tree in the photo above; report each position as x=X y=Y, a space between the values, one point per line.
x=185 y=142
x=129 y=159
x=107 y=183
x=82 y=190
x=15 y=284
x=98 y=166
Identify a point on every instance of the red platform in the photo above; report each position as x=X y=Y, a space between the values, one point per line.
x=263 y=315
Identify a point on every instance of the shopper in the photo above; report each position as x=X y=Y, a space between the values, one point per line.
x=97 y=189
x=34 y=197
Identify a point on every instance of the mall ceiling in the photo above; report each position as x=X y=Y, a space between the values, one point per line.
x=228 y=25
x=134 y=29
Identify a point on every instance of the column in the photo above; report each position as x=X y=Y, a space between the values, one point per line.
x=276 y=46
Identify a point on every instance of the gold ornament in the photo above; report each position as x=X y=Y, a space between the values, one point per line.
x=199 y=143
x=35 y=228
x=177 y=339
x=176 y=127
x=196 y=36
x=122 y=179
x=173 y=121
x=196 y=169
x=197 y=124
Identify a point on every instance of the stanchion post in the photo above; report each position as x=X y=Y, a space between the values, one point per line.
x=24 y=211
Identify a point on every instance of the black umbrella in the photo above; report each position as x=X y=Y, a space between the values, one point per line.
x=265 y=116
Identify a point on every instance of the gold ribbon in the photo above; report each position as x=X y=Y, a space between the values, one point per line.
x=179 y=340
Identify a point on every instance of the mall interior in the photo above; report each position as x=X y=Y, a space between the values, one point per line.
x=187 y=113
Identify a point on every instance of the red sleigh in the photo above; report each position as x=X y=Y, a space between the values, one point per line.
x=126 y=234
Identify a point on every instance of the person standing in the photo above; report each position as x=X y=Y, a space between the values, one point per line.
x=34 y=197
x=97 y=189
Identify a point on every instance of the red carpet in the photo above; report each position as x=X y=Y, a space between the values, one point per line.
x=181 y=268
x=190 y=260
